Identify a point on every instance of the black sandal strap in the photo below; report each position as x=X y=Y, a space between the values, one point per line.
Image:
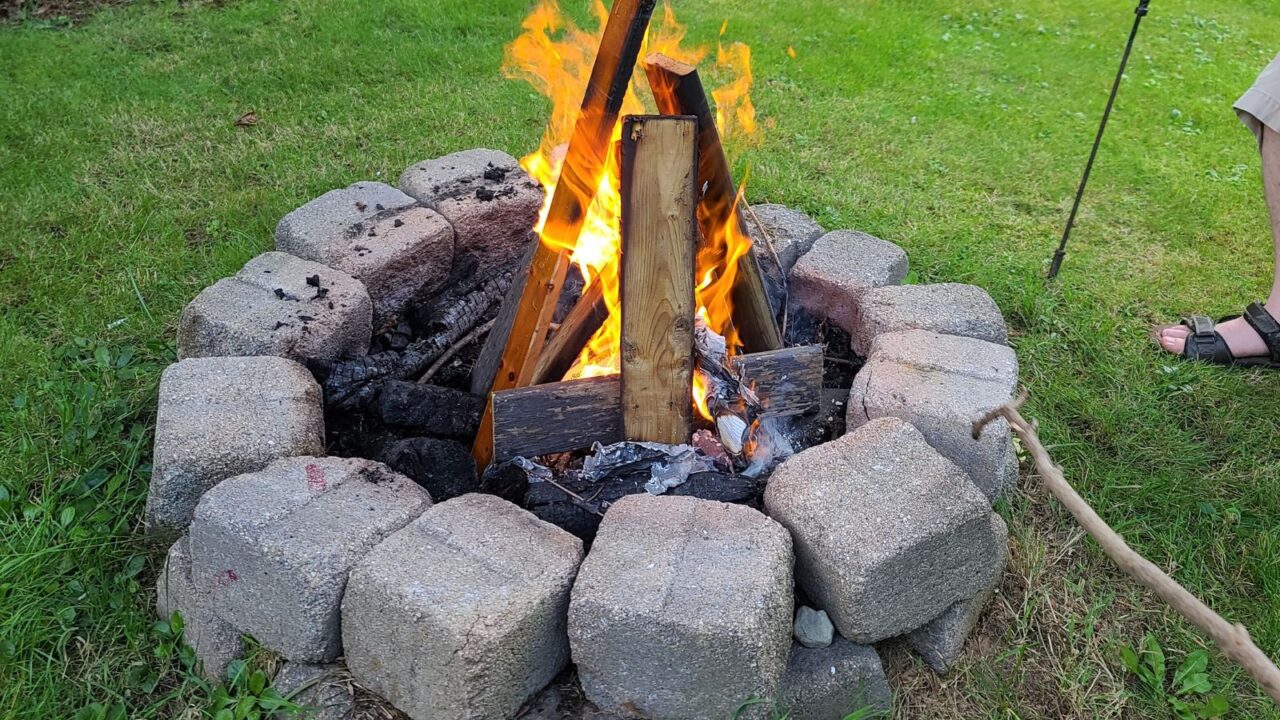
x=1266 y=326
x=1204 y=343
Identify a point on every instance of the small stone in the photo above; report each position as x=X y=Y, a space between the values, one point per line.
x=219 y=417
x=273 y=548
x=323 y=690
x=444 y=467
x=833 y=683
x=400 y=252
x=255 y=312
x=215 y=642
x=461 y=614
x=888 y=532
x=813 y=629
x=830 y=280
x=946 y=308
x=941 y=642
x=491 y=202
x=941 y=384
x=682 y=609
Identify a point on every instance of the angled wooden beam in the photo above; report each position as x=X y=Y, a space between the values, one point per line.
x=580 y=174
x=659 y=236
x=583 y=320
x=678 y=90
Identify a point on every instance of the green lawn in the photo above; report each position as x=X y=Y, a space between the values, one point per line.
x=955 y=129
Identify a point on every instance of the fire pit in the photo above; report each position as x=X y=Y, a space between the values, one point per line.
x=588 y=411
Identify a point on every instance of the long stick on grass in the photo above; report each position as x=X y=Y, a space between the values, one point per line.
x=1232 y=639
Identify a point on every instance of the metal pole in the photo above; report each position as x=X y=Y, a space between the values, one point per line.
x=1056 y=265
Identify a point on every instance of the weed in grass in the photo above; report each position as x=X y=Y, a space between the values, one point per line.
x=1189 y=693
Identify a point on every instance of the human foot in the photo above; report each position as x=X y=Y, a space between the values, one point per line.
x=1238 y=339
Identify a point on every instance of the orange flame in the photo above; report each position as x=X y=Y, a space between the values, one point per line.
x=555 y=57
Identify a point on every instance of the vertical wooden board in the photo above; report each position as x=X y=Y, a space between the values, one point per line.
x=659 y=236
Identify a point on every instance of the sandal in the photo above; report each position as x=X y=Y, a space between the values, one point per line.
x=1206 y=344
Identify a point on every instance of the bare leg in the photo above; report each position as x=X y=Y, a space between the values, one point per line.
x=1239 y=336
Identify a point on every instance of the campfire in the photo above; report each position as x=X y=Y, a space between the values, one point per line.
x=675 y=317
x=513 y=415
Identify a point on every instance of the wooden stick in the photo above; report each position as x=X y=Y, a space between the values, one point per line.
x=1232 y=640
x=659 y=235
x=580 y=174
x=571 y=415
x=586 y=317
x=678 y=90
x=453 y=350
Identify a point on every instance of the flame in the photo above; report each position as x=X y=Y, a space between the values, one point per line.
x=555 y=56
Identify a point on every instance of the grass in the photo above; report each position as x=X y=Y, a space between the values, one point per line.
x=956 y=129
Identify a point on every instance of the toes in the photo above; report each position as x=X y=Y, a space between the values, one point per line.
x=1174 y=345
x=1175 y=332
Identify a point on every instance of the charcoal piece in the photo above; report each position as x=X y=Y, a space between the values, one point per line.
x=507 y=480
x=430 y=409
x=582 y=516
x=444 y=467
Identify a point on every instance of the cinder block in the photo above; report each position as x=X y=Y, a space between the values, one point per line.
x=323 y=690
x=462 y=613
x=489 y=199
x=780 y=236
x=941 y=384
x=941 y=642
x=219 y=417
x=279 y=305
x=215 y=642
x=834 y=682
x=273 y=548
x=376 y=234
x=830 y=280
x=682 y=609
x=888 y=532
x=946 y=308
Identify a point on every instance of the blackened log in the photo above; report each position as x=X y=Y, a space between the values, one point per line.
x=571 y=415
x=353 y=384
x=561 y=416
x=444 y=467
x=582 y=517
x=430 y=409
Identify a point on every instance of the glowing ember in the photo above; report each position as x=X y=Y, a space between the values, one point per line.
x=555 y=56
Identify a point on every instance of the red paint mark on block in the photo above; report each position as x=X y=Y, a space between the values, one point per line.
x=226 y=577
x=315 y=478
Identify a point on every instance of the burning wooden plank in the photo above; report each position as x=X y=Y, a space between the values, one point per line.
x=522 y=337
x=573 y=414
x=659 y=166
x=678 y=90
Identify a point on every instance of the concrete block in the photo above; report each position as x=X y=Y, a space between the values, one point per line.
x=273 y=548
x=946 y=308
x=489 y=199
x=215 y=642
x=279 y=305
x=376 y=234
x=323 y=691
x=219 y=417
x=941 y=384
x=941 y=642
x=834 y=682
x=682 y=609
x=462 y=613
x=888 y=532
x=830 y=280
x=781 y=230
